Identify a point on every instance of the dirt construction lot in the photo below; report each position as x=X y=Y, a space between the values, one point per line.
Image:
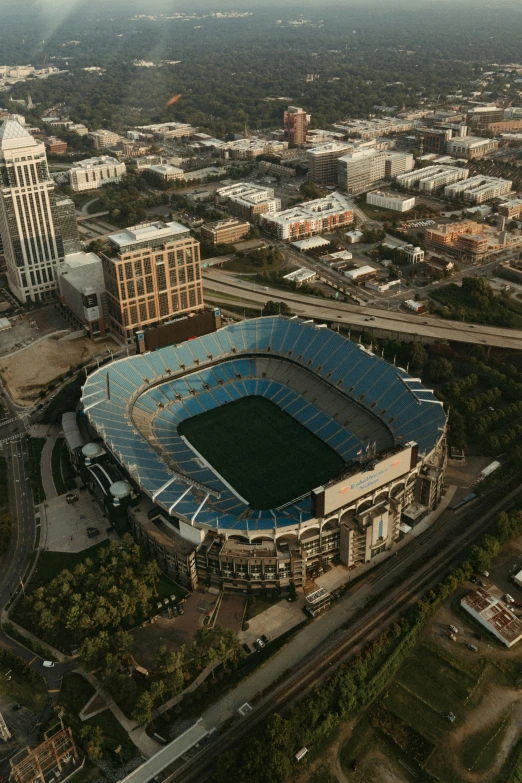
x=29 y=371
x=451 y=714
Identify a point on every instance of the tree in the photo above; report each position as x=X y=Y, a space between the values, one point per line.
x=92 y=737
x=276 y=308
x=418 y=356
x=143 y=709
x=439 y=369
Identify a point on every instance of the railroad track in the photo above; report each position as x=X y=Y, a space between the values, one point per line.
x=299 y=683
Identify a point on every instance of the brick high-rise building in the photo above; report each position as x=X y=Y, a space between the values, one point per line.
x=152 y=273
x=295 y=124
x=32 y=223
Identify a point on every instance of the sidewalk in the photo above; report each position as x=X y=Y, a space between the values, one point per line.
x=137 y=733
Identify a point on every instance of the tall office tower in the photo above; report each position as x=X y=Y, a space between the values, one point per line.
x=295 y=124
x=30 y=219
x=322 y=161
x=359 y=170
x=152 y=273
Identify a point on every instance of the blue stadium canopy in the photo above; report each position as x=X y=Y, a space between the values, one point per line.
x=136 y=403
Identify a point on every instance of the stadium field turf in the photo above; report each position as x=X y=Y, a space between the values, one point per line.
x=268 y=457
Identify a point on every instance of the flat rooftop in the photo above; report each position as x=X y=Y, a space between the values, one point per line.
x=83 y=270
x=147 y=232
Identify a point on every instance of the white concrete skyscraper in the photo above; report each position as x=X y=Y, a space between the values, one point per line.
x=33 y=226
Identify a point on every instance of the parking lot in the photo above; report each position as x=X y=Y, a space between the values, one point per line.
x=67 y=524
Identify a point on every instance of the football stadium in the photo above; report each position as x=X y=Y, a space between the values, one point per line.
x=260 y=452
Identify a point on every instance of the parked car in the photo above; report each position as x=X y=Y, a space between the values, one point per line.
x=259 y=643
x=264 y=638
x=472 y=647
x=17 y=707
x=453 y=629
x=92 y=532
x=246 y=648
x=71 y=497
x=181 y=610
x=48 y=664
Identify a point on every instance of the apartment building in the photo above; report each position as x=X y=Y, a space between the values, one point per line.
x=286 y=172
x=103 y=138
x=359 y=170
x=432 y=178
x=92 y=173
x=168 y=130
x=310 y=218
x=32 y=221
x=482 y=117
x=224 y=232
x=371 y=129
x=396 y=163
x=249 y=149
x=471 y=147
x=390 y=200
x=81 y=289
x=55 y=146
x=247 y=200
x=511 y=209
x=467 y=238
x=151 y=273
x=322 y=161
x=295 y=124
x=477 y=190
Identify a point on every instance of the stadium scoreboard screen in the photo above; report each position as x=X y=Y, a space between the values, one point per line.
x=326 y=500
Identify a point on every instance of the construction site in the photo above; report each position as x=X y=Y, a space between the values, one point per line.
x=55 y=759
x=472 y=241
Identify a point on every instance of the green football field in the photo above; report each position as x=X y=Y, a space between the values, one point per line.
x=263 y=453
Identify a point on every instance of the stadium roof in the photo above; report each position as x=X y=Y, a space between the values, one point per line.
x=136 y=403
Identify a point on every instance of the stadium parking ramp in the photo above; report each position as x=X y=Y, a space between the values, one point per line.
x=168 y=755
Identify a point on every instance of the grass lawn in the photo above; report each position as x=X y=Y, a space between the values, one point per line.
x=114 y=734
x=480 y=749
x=75 y=693
x=34 y=447
x=446 y=685
x=20 y=691
x=51 y=564
x=265 y=454
x=56 y=466
x=63 y=472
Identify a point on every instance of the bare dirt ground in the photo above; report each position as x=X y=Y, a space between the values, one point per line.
x=29 y=371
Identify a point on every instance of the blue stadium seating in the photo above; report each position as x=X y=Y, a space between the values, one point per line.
x=216 y=360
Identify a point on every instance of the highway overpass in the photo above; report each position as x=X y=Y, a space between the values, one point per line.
x=223 y=288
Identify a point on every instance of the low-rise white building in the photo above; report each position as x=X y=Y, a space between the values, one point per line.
x=361 y=271
x=166 y=172
x=312 y=243
x=168 y=130
x=300 y=276
x=104 y=138
x=390 y=200
x=247 y=200
x=92 y=173
x=494 y=615
x=478 y=189
x=381 y=287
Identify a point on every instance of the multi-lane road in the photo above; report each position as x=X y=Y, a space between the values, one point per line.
x=222 y=288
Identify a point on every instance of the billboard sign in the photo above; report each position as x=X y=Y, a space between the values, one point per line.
x=380 y=473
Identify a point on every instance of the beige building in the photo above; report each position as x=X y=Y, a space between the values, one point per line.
x=225 y=231
x=471 y=147
x=322 y=161
x=359 y=170
x=398 y=163
x=152 y=273
x=104 y=138
x=247 y=200
x=166 y=173
x=92 y=173
x=477 y=190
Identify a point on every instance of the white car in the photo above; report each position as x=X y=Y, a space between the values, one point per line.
x=48 y=664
